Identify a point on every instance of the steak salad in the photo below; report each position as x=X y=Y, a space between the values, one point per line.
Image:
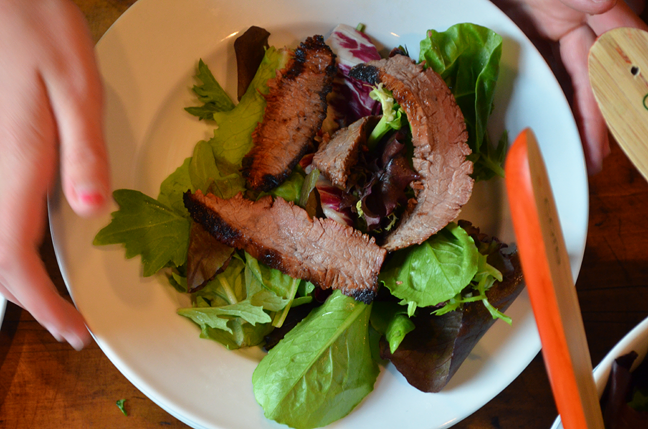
x=319 y=221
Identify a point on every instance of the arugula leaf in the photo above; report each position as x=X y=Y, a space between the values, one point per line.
x=322 y=368
x=215 y=99
x=434 y=271
x=227 y=310
x=233 y=137
x=467 y=57
x=215 y=316
x=148 y=228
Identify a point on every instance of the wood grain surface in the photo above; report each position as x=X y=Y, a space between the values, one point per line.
x=45 y=384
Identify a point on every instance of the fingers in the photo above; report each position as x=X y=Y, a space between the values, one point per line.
x=591 y=6
x=574 y=49
x=619 y=16
x=42 y=300
x=75 y=91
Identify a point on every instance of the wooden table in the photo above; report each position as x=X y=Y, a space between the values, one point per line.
x=45 y=384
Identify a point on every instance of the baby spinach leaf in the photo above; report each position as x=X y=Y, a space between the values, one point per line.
x=434 y=271
x=467 y=57
x=322 y=368
x=148 y=228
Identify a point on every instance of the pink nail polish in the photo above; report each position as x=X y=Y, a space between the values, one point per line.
x=91 y=198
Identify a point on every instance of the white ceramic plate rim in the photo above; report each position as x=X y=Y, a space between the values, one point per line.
x=147 y=59
x=3 y=308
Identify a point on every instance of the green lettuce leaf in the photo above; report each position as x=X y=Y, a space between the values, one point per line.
x=214 y=317
x=390 y=319
x=322 y=368
x=215 y=99
x=233 y=138
x=290 y=189
x=434 y=271
x=467 y=57
x=228 y=311
x=391 y=116
x=267 y=286
x=148 y=228
x=172 y=188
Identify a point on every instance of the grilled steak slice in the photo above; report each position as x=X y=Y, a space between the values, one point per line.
x=295 y=110
x=283 y=236
x=439 y=137
x=336 y=157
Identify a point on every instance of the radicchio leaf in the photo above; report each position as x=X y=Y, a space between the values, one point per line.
x=350 y=97
x=430 y=355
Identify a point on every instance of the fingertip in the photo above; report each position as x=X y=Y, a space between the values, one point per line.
x=78 y=342
x=87 y=199
x=594 y=157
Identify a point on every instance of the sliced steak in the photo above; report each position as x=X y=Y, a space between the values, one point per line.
x=336 y=157
x=439 y=137
x=295 y=110
x=283 y=236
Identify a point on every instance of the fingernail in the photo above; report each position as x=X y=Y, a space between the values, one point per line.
x=90 y=195
x=74 y=341
x=57 y=336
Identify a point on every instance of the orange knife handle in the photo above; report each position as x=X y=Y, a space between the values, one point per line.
x=537 y=274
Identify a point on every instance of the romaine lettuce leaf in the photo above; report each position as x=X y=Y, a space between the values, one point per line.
x=467 y=57
x=322 y=368
x=233 y=138
x=148 y=228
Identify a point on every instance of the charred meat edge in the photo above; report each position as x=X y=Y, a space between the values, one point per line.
x=276 y=215
x=273 y=157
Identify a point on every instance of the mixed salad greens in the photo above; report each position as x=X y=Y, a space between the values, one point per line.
x=325 y=348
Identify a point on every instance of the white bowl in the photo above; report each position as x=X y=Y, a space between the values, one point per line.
x=635 y=340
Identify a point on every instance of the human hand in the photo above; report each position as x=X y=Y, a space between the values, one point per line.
x=50 y=120
x=574 y=25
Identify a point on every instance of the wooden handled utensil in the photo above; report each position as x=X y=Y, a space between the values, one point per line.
x=618 y=72
x=548 y=277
